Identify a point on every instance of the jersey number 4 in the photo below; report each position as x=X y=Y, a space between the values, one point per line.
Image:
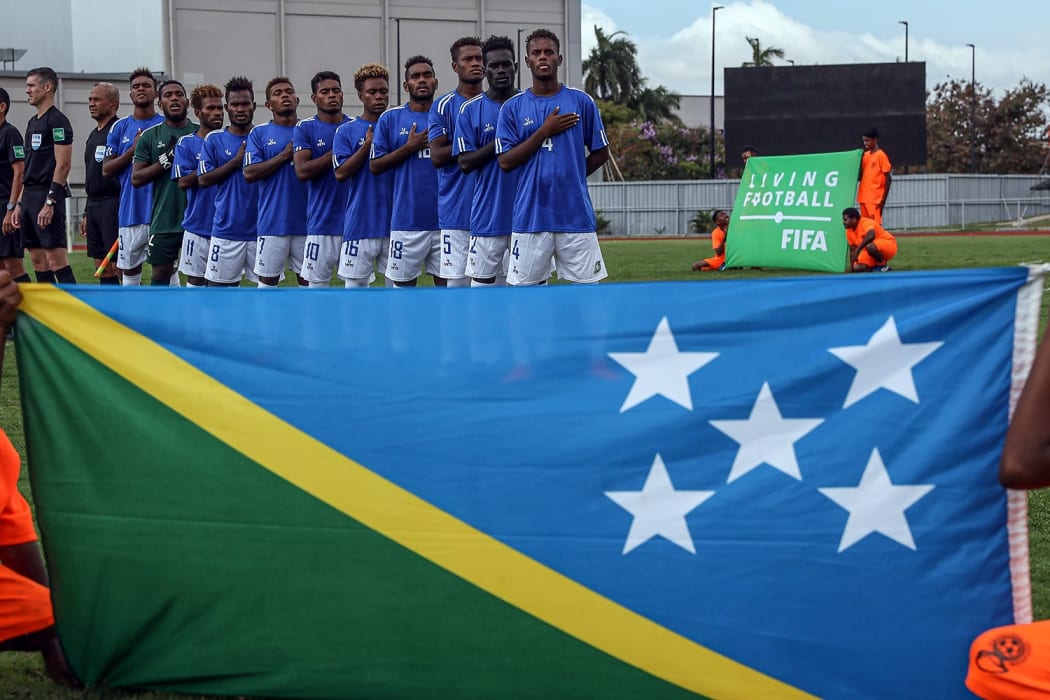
x=548 y=144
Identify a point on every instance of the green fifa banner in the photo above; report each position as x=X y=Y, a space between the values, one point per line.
x=788 y=212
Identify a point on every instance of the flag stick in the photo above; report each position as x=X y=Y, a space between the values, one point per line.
x=109 y=256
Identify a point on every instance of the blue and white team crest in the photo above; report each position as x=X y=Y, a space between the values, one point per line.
x=36 y=141
x=100 y=153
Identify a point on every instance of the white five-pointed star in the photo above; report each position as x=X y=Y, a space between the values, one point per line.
x=766 y=437
x=659 y=510
x=661 y=369
x=876 y=505
x=884 y=363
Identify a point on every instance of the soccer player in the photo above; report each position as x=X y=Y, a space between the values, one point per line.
x=234 y=229
x=366 y=227
x=400 y=145
x=41 y=210
x=268 y=160
x=101 y=213
x=325 y=196
x=455 y=186
x=555 y=135
x=492 y=211
x=871 y=247
x=718 y=244
x=136 y=203
x=875 y=177
x=152 y=163
x=12 y=155
x=200 y=201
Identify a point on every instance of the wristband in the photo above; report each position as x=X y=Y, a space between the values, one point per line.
x=58 y=191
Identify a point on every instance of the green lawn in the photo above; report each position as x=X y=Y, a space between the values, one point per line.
x=22 y=675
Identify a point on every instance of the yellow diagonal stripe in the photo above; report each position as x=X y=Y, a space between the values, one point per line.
x=394 y=512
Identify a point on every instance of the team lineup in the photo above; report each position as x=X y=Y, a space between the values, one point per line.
x=477 y=187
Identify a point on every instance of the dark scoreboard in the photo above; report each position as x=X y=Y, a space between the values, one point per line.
x=787 y=110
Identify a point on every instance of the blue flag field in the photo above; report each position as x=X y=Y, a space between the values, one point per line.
x=775 y=488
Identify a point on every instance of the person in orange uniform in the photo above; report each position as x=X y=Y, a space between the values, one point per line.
x=718 y=243
x=875 y=177
x=27 y=622
x=871 y=247
x=1014 y=661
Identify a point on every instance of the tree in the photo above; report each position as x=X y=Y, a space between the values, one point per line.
x=1008 y=134
x=655 y=104
x=611 y=71
x=759 y=56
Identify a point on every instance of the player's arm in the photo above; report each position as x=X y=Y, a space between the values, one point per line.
x=417 y=141
x=441 y=151
x=886 y=192
x=469 y=161
x=307 y=168
x=221 y=173
x=143 y=171
x=112 y=166
x=11 y=217
x=264 y=169
x=1025 y=463
x=596 y=159
x=350 y=167
x=554 y=124
x=63 y=164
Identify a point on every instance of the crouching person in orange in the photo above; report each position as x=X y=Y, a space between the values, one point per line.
x=27 y=622
x=871 y=247
x=718 y=243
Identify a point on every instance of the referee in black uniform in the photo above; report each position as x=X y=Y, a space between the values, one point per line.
x=99 y=224
x=41 y=210
x=12 y=155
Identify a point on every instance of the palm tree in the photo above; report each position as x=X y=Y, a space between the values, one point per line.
x=655 y=104
x=611 y=71
x=759 y=56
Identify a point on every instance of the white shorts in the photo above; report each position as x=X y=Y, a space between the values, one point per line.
x=320 y=257
x=412 y=253
x=229 y=260
x=132 y=250
x=360 y=258
x=193 y=262
x=273 y=252
x=577 y=256
x=454 y=245
x=487 y=256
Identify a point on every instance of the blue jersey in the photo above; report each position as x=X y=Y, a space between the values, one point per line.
x=236 y=199
x=552 y=192
x=455 y=187
x=371 y=196
x=200 y=201
x=325 y=196
x=136 y=203
x=415 y=180
x=282 y=197
x=494 y=190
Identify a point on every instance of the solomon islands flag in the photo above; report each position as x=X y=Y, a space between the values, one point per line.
x=778 y=488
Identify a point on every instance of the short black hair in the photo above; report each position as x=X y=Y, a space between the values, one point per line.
x=851 y=212
x=543 y=34
x=321 y=76
x=170 y=81
x=5 y=98
x=238 y=83
x=46 y=74
x=143 y=72
x=872 y=133
x=716 y=212
x=465 y=41
x=413 y=60
x=280 y=79
x=749 y=147
x=495 y=43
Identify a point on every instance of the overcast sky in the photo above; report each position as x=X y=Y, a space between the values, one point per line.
x=674 y=36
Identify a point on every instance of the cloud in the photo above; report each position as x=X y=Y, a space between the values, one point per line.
x=590 y=17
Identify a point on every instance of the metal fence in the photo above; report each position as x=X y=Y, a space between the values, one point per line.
x=916 y=202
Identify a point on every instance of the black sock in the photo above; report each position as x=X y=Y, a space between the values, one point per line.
x=23 y=278
x=45 y=276
x=65 y=275
x=109 y=280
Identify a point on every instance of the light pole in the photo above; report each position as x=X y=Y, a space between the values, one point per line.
x=714 y=9
x=973 y=107
x=905 y=23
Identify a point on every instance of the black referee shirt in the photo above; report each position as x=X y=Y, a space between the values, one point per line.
x=42 y=135
x=11 y=151
x=96 y=185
